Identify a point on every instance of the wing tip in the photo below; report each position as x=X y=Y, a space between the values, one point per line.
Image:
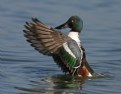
x=35 y=19
x=25 y=31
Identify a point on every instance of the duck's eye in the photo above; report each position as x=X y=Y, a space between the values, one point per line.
x=72 y=21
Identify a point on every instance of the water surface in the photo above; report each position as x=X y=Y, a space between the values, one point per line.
x=24 y=71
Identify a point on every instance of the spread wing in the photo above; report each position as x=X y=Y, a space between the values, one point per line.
x=44 y=39
x=51 y=42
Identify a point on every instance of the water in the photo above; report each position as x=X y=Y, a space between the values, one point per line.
x=24 y=71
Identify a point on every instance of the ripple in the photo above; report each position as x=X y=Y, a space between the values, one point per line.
x=24 y=71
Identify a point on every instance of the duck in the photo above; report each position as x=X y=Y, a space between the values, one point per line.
x=66 y=50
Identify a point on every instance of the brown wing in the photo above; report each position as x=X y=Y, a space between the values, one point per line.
x=44 y=39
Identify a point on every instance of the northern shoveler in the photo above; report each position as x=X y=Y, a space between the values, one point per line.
x=66 y=50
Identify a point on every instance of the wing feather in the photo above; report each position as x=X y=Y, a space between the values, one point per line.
x=43 y=38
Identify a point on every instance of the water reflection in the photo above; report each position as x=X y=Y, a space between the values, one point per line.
x=58 y=84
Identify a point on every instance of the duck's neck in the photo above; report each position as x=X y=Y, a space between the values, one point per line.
x=75 y=36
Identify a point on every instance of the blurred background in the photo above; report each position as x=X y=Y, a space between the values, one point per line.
x=24 y=71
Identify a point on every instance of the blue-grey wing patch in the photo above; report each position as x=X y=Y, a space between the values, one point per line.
x=77 y=52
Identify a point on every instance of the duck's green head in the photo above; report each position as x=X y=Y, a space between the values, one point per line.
x=74 y=23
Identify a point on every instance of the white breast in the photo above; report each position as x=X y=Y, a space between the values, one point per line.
x=75 y=36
